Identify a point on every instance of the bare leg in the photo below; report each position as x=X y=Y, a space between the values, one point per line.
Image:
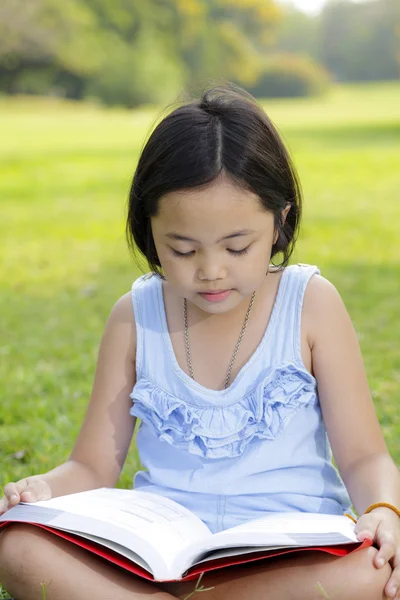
x=311 y=576
x=30 y=557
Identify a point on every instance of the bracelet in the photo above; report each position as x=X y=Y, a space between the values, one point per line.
x=384 y=505
x=350 y=517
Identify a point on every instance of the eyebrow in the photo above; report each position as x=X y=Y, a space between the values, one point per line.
x=183 y=238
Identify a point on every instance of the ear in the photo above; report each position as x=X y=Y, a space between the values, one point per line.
x=285 y=212
x=284 y=215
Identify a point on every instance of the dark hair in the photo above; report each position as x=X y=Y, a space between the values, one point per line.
x=224 y=133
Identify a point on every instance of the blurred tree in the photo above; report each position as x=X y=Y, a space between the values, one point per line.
x=222 y=38
x=353 y=41
x=141 y=62
x=46 y=36
x=290 y=75
x=298 y=33
x=134 y=52
x=361 y=41
x=129 y=51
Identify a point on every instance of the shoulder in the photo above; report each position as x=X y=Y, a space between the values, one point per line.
x=122 y=309
x=320 y=289
x=120 y=329
x=323 y=308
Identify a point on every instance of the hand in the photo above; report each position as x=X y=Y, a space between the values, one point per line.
x=30 y=489
x=382 y=526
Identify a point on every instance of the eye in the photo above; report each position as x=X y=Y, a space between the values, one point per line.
x=182 y=254
x=239 y=252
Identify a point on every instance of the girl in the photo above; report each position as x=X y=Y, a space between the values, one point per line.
x=239 y=370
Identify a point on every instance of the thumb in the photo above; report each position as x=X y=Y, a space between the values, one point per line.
x=12 y=491
x=364 y=535
x=366 y=528
x=11 y=496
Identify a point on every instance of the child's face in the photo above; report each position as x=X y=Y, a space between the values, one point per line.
x=207 y=262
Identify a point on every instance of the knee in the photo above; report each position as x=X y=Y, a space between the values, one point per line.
x=9 y=539
x=16 y=550
x=368 y=576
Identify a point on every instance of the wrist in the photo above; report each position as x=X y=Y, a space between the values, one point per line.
x=383 y=508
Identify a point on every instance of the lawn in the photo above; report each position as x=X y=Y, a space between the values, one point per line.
x=65 y=174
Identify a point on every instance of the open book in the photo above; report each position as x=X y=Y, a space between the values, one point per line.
x=161 y=540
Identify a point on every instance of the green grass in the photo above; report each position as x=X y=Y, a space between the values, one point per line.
x=65 y=174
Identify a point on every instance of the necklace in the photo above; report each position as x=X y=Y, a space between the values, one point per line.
x=187 y=344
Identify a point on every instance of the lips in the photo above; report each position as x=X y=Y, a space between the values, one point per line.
x=216 y=295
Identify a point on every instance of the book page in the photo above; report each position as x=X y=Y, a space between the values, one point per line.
x=116 y=548
x=148 y=524
x=277 y=530
x=288 y=529
x=237 y=551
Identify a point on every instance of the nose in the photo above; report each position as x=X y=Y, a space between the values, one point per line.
x=211 y=270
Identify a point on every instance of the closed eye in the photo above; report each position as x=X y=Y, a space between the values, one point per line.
x=192 y=252
x=239 y=252
x=182 y=254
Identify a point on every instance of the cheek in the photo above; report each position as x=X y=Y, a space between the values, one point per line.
x=259 y=260
x=176 y=270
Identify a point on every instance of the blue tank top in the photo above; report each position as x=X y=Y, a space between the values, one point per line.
x=260 y=445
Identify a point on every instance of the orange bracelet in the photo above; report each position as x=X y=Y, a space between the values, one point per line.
x=384 y=505
x=350 y=517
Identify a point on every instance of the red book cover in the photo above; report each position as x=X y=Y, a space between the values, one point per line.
x=194 y=572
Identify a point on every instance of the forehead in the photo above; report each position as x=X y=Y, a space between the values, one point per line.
x=219 y=207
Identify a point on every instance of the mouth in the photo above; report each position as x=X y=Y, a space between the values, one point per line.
x=215 y=295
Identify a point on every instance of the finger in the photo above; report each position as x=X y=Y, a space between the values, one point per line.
x=36 y=490
x=366 y=527
x=364 y=534
x=393 y=585
x=386 y=543
x=11 y=497
x=386 y=552
x=396 y=560
x=3 y=505
x=12 y=492
x=15 y=487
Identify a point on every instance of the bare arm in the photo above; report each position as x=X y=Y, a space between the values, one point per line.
x=358 y=446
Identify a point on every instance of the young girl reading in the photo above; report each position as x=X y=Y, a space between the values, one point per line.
x=239 y=371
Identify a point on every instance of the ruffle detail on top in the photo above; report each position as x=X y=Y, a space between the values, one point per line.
x=224 y=431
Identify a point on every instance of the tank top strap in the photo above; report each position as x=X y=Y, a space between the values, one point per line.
x=287 y=331
x=149 y=340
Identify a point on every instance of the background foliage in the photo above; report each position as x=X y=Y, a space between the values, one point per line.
x=134 y=53
x=355 y=42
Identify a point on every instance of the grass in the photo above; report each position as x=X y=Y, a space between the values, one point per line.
x=66 y=170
